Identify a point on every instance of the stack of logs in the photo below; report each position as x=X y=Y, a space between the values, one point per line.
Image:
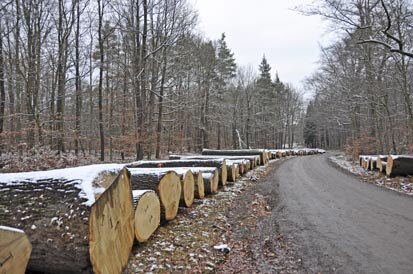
x=391 y=165
x=65 y=234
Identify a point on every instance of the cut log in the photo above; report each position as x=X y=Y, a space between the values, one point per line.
x=252 y=160
x=75 y=222
x=380 y=160
x=239 y=152
x=199 y=191
x=399 y=165
x=373 y=163
x=363 y=159
x=210 y=182
x=165 y=183
x=219 y=163
x=15 y=250
x=147 y=213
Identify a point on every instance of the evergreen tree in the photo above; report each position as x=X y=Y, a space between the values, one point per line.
x=264 y=81
x=226 y=65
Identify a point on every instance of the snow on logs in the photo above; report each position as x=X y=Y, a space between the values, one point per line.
x=219 y=163
x=78 y=220
x=239 y=152
x=15 y=250
x=399 y=165
x=186 y=180
x=248 y=161
x=147 y=213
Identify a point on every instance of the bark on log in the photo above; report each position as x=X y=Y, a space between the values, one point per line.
x=399 y=165
x=362 y=159
x=165 y=183
x=71 y=232
x=251 y=161
x=232 y=172
x=147 y=213
x=15 y=250
x=261 y=152
x=219 y=163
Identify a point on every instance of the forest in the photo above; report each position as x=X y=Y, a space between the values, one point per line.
x=363 y=88
x=131 y=79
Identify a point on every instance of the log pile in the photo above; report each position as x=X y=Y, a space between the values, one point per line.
x=391 y=165
x=78 y=227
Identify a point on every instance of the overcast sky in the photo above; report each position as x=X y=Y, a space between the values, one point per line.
x=290 y=41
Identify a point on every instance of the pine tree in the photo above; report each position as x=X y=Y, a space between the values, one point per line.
x=264 y=81
x=226 y=66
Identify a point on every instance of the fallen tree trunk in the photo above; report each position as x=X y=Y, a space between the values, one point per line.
x=239 y=152
x=210 y=182
x=78 y=220
x=253 y=161
x=199 y=191
x=165 y=183
x=219 y=163
x=399 y=165
x=15 y=250
x=363 y=159
x=186 y=178
x=147 y=213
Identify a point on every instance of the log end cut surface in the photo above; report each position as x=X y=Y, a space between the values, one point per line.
x=111 y=227
x=169 y=190
x=188 y=185
x=147 y=214
x=199 y=186
x=15 y=250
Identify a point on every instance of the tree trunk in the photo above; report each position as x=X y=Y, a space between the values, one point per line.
x=165 y=183
x=237 y=152
x=100 y=88
x=399 y=165
x=248 y=161
x=72 y=232
x=2 y=87
x=147 y=214
x=210 y=182
x=15 y=250
x=219 y=163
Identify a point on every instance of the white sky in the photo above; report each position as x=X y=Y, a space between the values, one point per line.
x=289 y=40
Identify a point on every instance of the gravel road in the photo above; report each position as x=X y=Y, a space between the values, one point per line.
x=339 y=224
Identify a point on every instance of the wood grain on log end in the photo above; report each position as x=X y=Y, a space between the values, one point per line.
x=188 y=185
x=147 y=214
x=15 y=250
x=199 y=191
x=111 y=227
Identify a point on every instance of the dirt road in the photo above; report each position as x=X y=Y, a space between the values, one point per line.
x=339 y=224
x=320 y=220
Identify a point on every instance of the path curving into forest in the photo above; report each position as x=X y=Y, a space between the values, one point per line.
x=339 y=224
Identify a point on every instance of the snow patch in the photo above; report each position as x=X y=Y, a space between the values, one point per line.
x=11 y=229
x=82 y=177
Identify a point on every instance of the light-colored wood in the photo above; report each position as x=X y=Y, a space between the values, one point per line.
x=147 y=214
x=188 y=186
x=166 y=184
x=111 y=227
x=199 y=191
x=15 y=250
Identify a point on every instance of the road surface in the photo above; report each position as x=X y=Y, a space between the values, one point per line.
x=341 y=225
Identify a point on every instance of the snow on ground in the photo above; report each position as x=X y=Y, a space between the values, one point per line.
x=82 y=176
x=398 y=184
x=11 y=229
